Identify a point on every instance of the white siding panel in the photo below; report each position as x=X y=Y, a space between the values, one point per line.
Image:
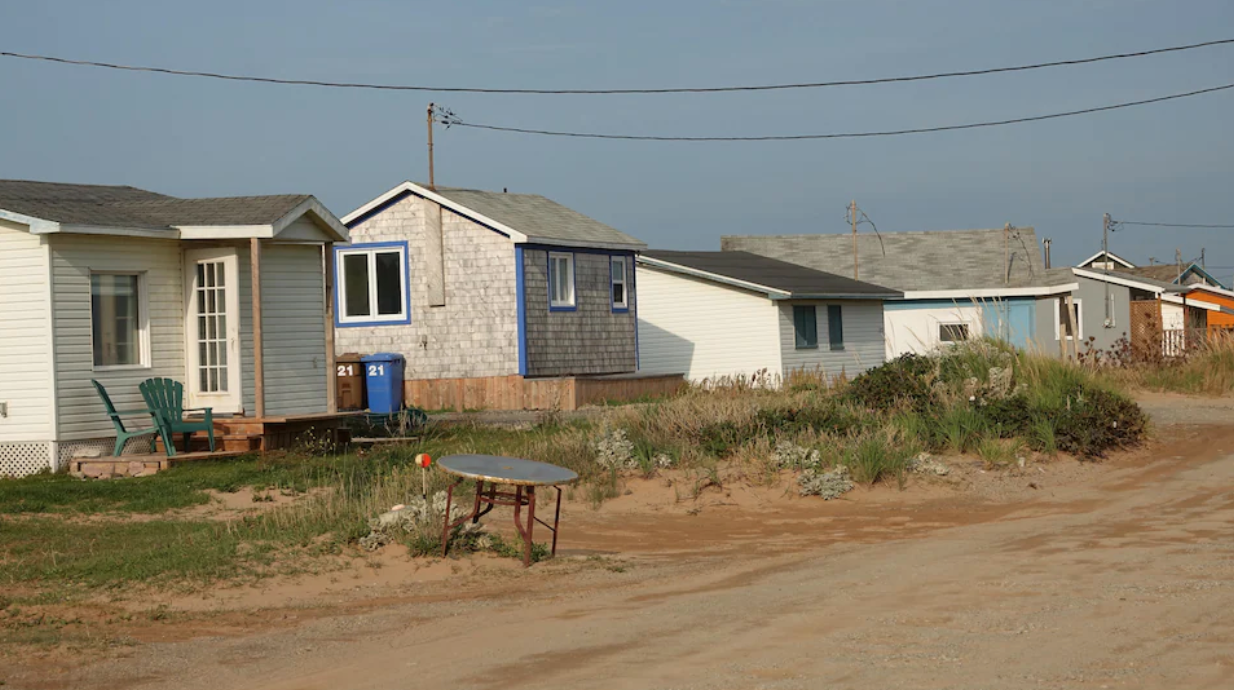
x=25 y=316
x=915 y=329
x=73 y=257
x=703 y=329
x=293 y=330
x=863 y=336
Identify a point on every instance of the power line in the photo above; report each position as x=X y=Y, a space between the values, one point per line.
x=1171 y=225
x=845 y=135
x=711 y=89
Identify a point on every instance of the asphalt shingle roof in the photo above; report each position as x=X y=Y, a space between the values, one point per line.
x=539 y=218
x=110 y=206
x=1164 y=273
x=772 y=273
x=915 y=261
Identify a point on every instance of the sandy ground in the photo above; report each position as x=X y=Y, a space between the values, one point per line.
x=1060 y=575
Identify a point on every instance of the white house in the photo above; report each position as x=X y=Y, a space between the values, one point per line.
x=957 y=284
x=120 y=284
x=739 y=315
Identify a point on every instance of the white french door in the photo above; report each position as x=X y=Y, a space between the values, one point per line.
x=212 y=330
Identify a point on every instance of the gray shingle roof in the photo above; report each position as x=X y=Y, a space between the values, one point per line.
x=129 y=207
x=539 y=218
x=914 y=261
x=772 y=273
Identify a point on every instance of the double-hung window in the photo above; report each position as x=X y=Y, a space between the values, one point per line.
x=117 y=329
x=835 y=327
x=372 y=284
x=1062 y=325
x=621 y=298
x=805 y=327
x=561 y=281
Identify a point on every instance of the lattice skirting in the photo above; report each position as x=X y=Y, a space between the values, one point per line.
x=102 y=447
x=20 y=459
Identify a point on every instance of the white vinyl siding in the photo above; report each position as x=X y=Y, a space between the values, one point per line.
x=703 y=329
x=73 y=258
x=914 y=328
x=293 y=330
x=864 y=341
x=25 y=356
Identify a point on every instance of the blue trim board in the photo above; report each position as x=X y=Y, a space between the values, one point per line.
x=573 y=278
x=338 y=284
x=519 y=285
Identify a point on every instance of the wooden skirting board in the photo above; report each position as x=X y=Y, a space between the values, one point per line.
x=519 y=393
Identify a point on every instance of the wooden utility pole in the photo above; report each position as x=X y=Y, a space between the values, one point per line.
x=852 y=216
x=432 y=183
x=1107 y=263
x=1178 y=259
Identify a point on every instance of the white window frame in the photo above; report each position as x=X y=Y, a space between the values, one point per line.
x=372 y=318
x=1079 y=319
x=143 y=322
x=553 y=302
x=624 y=282
x=968 y=329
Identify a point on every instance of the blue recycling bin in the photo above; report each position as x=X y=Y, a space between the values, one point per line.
x=383 y=373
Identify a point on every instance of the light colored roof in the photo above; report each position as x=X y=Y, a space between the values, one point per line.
x=525 y=218
x=934 y=261
x=1116 y=258
x=101 y=207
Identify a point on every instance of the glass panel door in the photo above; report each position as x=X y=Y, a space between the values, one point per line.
x=212 y=327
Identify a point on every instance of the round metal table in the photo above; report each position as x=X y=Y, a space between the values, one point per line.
x=524 y=475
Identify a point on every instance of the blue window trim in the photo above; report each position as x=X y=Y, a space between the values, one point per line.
x=625 y=281
x=520 y=282
x=573 y=278
x=338 y=285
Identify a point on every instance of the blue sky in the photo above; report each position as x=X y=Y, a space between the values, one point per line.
x=192 y=137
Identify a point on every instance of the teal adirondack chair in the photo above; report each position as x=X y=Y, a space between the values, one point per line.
x=166 y=398
x=123 y=434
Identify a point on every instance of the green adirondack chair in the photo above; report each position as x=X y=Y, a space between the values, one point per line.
x=166 y=398
x=123 y=434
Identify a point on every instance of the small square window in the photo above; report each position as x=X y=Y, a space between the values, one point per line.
x=805 y=327
x=952 y=332
x=561 y=280
x=621 y=298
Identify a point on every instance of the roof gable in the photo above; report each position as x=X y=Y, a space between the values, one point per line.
x=1101 y=255
x=524 y=218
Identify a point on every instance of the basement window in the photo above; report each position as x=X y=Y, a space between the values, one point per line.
x=372 y=284
x=952 y=332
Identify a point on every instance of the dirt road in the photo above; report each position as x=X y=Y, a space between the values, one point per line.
x=1120 y=578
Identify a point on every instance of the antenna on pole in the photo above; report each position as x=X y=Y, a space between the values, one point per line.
x=432 y=183
x=852 y=216
x=1107 y=263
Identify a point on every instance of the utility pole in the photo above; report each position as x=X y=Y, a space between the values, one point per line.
x=852 y=216
x=1202 y=259
x=1178 y=259
x=1105 y=250
x=432 y=183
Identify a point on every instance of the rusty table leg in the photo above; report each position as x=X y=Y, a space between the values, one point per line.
x=449 y=526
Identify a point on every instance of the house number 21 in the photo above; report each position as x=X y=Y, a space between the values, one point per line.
x=376 y=370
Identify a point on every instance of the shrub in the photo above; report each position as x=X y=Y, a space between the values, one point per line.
x=903 y=382
x=1097 y=420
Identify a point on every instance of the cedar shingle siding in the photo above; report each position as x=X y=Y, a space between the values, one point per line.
x=592 y=339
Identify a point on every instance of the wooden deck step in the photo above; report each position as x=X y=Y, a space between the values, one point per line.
x=138 y=465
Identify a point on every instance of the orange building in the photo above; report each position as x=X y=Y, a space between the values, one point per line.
x=1222 y=320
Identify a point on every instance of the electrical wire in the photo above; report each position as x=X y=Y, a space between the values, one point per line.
x=845 y=135
x=667 y=90
x=1172 y=225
